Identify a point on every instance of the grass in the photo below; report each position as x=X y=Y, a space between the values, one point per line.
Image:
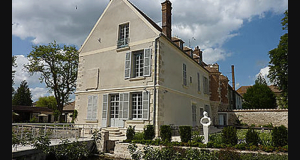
x=265 y=136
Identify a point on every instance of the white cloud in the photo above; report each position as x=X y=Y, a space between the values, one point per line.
x=39 y=92
x=264 y=72
x=211 y=23
x=21 y=74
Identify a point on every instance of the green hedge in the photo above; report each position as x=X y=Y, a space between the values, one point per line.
x=185 y=133
x=149 y=133
x=165 y=133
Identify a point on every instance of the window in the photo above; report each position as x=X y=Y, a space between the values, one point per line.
x=123 y=35
x=205 y=85
x=92 y=107
x=198 y=78
x=138 y=63
x=184 y=74
x=114 y=106
x=194 y=118
x=137 y=105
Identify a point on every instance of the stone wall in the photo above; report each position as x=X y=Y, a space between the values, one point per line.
x=258 y=116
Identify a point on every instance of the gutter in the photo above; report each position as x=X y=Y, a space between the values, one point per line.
x=155 y=81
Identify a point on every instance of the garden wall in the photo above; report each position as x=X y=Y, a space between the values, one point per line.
x=258 y=117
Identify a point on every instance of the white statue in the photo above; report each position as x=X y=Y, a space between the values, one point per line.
x=205 y=121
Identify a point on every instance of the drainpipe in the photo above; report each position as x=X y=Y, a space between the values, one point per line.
x=155 y=79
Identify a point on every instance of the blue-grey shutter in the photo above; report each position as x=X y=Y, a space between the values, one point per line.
x=104 y=110
x=125 y=105
x=127 y=65
x=89 y=107
x=145 y=104
x=94 y=107
x=147 y=62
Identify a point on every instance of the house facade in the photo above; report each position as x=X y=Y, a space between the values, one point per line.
x=131 y=73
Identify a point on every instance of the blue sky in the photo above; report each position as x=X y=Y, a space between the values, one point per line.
x=230 y=32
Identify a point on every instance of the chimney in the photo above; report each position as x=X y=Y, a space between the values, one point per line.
x=166 y=18
x=233 y=80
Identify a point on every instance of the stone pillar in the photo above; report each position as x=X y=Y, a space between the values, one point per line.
x=101 y=145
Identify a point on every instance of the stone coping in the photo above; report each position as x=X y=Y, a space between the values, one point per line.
x=254 y=110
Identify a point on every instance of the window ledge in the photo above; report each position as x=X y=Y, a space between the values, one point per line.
x=137 y=78
x=123 y=49
x=91 y=120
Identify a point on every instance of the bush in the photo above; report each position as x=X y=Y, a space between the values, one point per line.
x=280 y=136
x=252 y=137
x=149 y=133
x=229 y=135
x=130 y=132
x=138 y=136
x=185 y=133
x=165 y=133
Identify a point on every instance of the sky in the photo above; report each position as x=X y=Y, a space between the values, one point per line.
x=229 y=32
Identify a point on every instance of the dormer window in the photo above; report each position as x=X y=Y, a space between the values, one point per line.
x=123 y=39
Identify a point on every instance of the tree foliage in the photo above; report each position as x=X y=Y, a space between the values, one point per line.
x=58 y=67
x=259 y=95
x=49 y=102
x=22 y=95
x=278 y=64
x=13 y=64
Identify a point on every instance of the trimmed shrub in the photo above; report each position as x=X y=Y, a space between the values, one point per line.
x=252 y=137
x=130 y=132
x=149 y=133
x=229 y=135
x=165 y=133
x=280 y=136
x=185 y=133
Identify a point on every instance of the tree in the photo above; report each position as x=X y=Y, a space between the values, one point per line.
x=13 y=64
x=49 y=102
x=58 y=68
x=259 y=95
x=278 y=64
x=23 y=95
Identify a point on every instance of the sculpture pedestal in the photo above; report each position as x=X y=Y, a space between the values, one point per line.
x=205 y=131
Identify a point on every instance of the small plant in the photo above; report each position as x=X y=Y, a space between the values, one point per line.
x=135 y=153
x=252 y=137
x=130 y=132
x=185 y=133
x=149 y=133
x=96 y=135
x=280 y=136
x=165 y=133
x=229 y=135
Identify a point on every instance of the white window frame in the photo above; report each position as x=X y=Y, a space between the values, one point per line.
x=138 y=67
x=184 y=75
x=138 y=64
x=137 y=101
x=92 y=107
x=123 y=39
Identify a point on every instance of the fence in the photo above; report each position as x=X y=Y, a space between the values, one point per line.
x=29 y=131
x=258 y=117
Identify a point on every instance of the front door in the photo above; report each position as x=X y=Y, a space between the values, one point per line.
x=114 y=110
x=115 y=114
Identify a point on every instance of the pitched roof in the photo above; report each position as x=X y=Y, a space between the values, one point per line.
x=147 y=18
x=243 y=89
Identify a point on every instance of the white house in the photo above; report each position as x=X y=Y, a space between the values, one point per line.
x=132 y=73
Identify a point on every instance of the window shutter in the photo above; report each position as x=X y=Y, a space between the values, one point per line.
x=94 y=107
x=147 y=62
x=184 y=74
x=127 y=65
x=145 y=105
x=89 y=107
x=104 y=110
x=125 y=105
